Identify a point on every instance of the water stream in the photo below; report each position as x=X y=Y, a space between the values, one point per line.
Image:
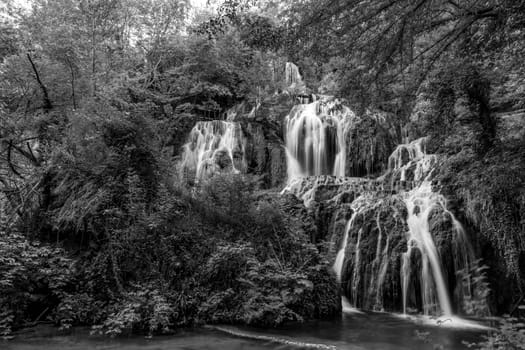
x=424 y=271
x=214 y=146
x=370 y=331
x=315 y=138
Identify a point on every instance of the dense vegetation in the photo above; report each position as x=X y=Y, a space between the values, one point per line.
x=97 y=97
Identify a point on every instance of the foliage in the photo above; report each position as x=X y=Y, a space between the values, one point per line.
x=229 y=12
x=87 y=174
x=143 y=309
x=509 y=336
x=458 y=115
x=476 y=288
x=489 y=192
x=264 y=293
x=78 y=309
x=380 y=52
x=32 y=278
x=229 y=196
x=370 y=142
x=260 y=32
x=96 y=97
x=483 y=169
x=150 y=273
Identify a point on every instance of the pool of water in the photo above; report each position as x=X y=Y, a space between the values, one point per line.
x=355 y=331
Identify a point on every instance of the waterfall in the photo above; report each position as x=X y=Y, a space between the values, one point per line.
x=292 y=76
x=420 y=202
x=214 y=146
x=358 y=205
x=339 y=260
x=315 y=139
x=412 y=155
x=424 y=271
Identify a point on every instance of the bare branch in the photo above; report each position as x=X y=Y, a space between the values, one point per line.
x=47 y=102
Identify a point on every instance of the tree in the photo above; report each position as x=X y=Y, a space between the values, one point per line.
x=390 y=46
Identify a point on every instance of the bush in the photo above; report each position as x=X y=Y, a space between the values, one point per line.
x=145 y=309
x=228 y=198
x=78 y=309
x=267 y=292
x=476 y=289
x=509 y=336
x=459 y=114
x=147 y=257
x=33 y=279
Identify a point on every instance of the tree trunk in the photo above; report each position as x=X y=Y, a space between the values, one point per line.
x=47 y=102
x=72 y=84
x=93 y=56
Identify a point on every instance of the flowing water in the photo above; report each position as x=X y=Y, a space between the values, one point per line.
x=315 y=139
x=359 y=205
x=214 y=146
x=389 y=258
x=356 y=331
x=421 y=273
x=420 y=203
x=219 y=145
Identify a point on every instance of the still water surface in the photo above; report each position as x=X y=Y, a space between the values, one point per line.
x=357 y=331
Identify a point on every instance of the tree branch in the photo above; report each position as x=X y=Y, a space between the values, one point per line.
x=47 y=102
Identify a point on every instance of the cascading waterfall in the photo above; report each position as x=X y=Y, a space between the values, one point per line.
x=412 y=155
x=315 y=139
x=214 y=146
x=339 y=260
x=358 y=205
x=390 y=257
x=420 y=202
x=422 y=271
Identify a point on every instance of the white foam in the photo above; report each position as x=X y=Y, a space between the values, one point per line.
x=442 y=321
x=348 y=308
x=273 y=339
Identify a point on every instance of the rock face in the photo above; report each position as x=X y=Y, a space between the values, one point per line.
x=322 y=134
x=393 y=239
x=395 y=244
x=214 y=147
x=377 y=240
x=256 y=138
x=370 y=141
x=262 y=125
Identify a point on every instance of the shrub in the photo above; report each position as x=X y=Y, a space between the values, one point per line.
x=509 y=336
x=102 y=158
x=78 y=309
x=33 y=278
x=228 y=198
x=144 y=309
x=476 y=289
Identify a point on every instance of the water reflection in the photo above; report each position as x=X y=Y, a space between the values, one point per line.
x=356 y=331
